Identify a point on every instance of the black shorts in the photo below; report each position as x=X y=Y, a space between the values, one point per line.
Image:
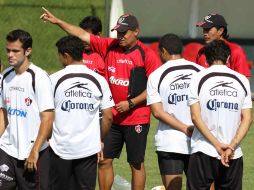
x=172 y=163
x=134 y=137
x=204 y=169
x=72 y=174
x=12 y=173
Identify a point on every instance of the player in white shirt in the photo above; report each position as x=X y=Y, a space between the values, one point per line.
x=77 y=135
x=27 y=102
x=167 y=90
x=220 y=102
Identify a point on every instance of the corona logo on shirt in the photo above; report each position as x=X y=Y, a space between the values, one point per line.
x=78 y=89
x=180 y=82
x=28 y=101
x=223 y=89
x=16 y=112
x=68 y=105
x=16 y=88
x=214 y=105
x=119 y=82
x=175 y=98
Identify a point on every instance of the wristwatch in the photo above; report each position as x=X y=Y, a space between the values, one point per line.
x=131 y=104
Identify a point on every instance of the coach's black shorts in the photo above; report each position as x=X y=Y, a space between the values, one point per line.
x=204 y=169
x=72 y=174
x=134 y=137
x=12 y=173
x=172 y=163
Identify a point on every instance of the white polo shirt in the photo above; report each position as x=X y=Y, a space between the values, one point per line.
x=79 y=93
x=24 y=97
x=222 y=94
x=169 y=85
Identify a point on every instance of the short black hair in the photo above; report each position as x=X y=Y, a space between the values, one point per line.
x=225 y=32
x=24 y=37
x=93 y=23
x=71 y=45
x=171 y=43
x=217 y=50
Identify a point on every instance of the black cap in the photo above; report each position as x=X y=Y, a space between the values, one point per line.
x=126 y=22
x=212 y=20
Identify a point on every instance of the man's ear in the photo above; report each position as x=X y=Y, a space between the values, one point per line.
x=136 y=32
x=228 y=59
x=220 y=31
x=28 y=52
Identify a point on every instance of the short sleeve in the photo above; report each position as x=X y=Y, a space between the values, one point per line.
x=247 y=103
x=107 y=99
x=153 y=95
x=43 y=91
x=193 y=96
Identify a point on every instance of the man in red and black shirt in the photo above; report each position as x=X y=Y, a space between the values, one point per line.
x=131 y=116
x=215 y=28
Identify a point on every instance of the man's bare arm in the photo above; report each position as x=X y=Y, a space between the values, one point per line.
x=106 y=122
x=67 y=27
x=123 y=106
x=160 y=114
x=201 y=126
x=243 y=128
x=3 y=120
x=45 y=130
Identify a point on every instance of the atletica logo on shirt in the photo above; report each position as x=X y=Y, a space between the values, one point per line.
x=77 y=89
x=82 y=91
x=88 y=62
x=180 y=82
x=119 y=82
x=124 y=61
x=227 y=90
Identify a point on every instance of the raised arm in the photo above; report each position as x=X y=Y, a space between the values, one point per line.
x=67 y=27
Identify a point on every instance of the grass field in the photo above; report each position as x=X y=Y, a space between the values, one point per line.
x=25 y=14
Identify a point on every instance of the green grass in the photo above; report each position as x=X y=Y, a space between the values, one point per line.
x=24 y=14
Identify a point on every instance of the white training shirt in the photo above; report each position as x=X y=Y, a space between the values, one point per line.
x=79 y=93
x=24 y=97
x=169 y=85
x=222 y=94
